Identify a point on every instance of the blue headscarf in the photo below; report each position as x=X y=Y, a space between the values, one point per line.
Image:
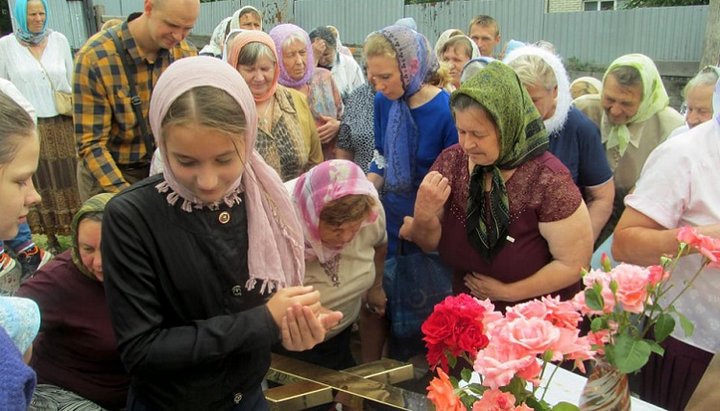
x=22 y=33
x=416 y=60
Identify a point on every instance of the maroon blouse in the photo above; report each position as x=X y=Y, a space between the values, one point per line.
x=540 y=191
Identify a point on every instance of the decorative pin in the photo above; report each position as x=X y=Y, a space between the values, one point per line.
x=224 y=217
x=512 y=240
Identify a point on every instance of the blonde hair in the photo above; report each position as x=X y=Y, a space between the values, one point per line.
x=534 y=71
x=377 y=45
x=349 y=208
x=209 y=107
x=456 y=42
x=441 y=77
x=15 y=123
x=484 y=21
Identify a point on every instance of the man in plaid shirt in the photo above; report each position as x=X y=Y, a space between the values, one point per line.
x=111 y=146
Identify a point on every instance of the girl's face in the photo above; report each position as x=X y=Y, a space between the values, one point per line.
x=17 y=192
x=259 y=76
x=384 y=74
x=478 y=136
x=205 y=160
x=35 y=16
x=295 y=59
x=88 y=239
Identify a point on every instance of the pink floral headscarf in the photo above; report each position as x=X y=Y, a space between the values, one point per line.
x=324 y=183
x=275 y=253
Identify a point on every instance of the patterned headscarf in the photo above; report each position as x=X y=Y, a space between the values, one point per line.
x=279 y=34
x=324 y=183
x=522 y=137
x=654 y=98
x=215 y=47
x=416 y=60
x=95 y=204
x=563 y=101
x=275 y=251
x=253 y=36
x=22 y=33
x=20 y=317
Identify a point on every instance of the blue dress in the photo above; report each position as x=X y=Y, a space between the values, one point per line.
x=437 y=132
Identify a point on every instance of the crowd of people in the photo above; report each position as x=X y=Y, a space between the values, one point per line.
x=244 y=199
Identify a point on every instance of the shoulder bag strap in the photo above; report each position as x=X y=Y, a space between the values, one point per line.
x=134 y=98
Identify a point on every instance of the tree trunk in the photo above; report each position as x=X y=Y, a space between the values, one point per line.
x=711 y=51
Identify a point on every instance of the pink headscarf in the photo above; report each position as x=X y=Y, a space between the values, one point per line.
x=279 y=34
x=324 y=183
x=275 y=251
x=253 y=36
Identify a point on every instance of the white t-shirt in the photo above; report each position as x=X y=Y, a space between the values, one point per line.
x=680 y=186
x=347 y=74
x=18 y=65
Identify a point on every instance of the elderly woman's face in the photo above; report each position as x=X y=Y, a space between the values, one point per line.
x=544 y=99
x=259 y=76
x=699 y=105
x=456 y=57
x=620 y=102
x=338 y=236
x=295 y=59
x=250 y=21
x=478 y=136
x=35 y=16
x=88 y=238
x=384 y=74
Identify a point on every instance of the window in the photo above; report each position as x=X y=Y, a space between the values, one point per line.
x=599 y=5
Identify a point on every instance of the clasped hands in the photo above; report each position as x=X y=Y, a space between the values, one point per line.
x=302 y=320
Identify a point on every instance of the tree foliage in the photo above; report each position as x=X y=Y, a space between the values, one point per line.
x=633 y=4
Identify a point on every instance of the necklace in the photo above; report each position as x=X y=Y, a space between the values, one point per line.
x=264 y=120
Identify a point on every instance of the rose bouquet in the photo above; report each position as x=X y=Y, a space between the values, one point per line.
x=626 y=302
x=508 y=353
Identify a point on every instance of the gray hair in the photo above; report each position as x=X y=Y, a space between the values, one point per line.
x=251 y=52
x=291 y=38
x=706 y=77
x=627 y=76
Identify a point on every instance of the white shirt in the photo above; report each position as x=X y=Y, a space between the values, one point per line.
x=679 y=187
x=18 y=65
x=9 y=88
x=347 y=74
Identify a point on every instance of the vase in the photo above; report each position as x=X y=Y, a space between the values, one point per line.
x=606 y=389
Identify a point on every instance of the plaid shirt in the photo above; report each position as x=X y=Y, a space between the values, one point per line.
x=107 y=131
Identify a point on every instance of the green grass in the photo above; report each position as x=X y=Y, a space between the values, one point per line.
x=63 y=240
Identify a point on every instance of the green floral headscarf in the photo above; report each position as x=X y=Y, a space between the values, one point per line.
x=95 y=204
x=522 y=137
x=654 y=97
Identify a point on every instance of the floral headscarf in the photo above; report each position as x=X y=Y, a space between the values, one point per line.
x=215 y=47
x=275 y=252
x=654 y=99
x=253 y=36
x=324 y=183
x=522 y=137
x=22 y=33
x=95 y=204
x=563 y=100
x=279 y=34
x=416 y=60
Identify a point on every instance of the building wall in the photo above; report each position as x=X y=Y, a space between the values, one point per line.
x=563 y=6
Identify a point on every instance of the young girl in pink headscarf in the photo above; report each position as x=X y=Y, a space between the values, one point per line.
x=203 y=262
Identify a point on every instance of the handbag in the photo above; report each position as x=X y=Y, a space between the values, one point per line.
x=62 y=99
x=413 y=284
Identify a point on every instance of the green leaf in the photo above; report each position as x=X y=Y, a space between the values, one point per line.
x=565 y=406
x=598 y=323
x=687 y=325
x=630 y=354
x=655 y=347
x=466 y=374
x=594 y=299
x=537 y=405
x=452 y=361
x=664 y=325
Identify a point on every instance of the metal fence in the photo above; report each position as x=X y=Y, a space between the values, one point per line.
x=664 y=34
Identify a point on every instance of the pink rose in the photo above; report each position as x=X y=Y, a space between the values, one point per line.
x=602 y=278
x=531 y=336
x=657 y=275
x=632 y=282
x=497 y=364
x=561 y=313
x=530 y=309
x=707 y=246
x=495 y=400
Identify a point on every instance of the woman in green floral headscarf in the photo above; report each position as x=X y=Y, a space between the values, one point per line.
x=75 y=354
x=500 y=209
